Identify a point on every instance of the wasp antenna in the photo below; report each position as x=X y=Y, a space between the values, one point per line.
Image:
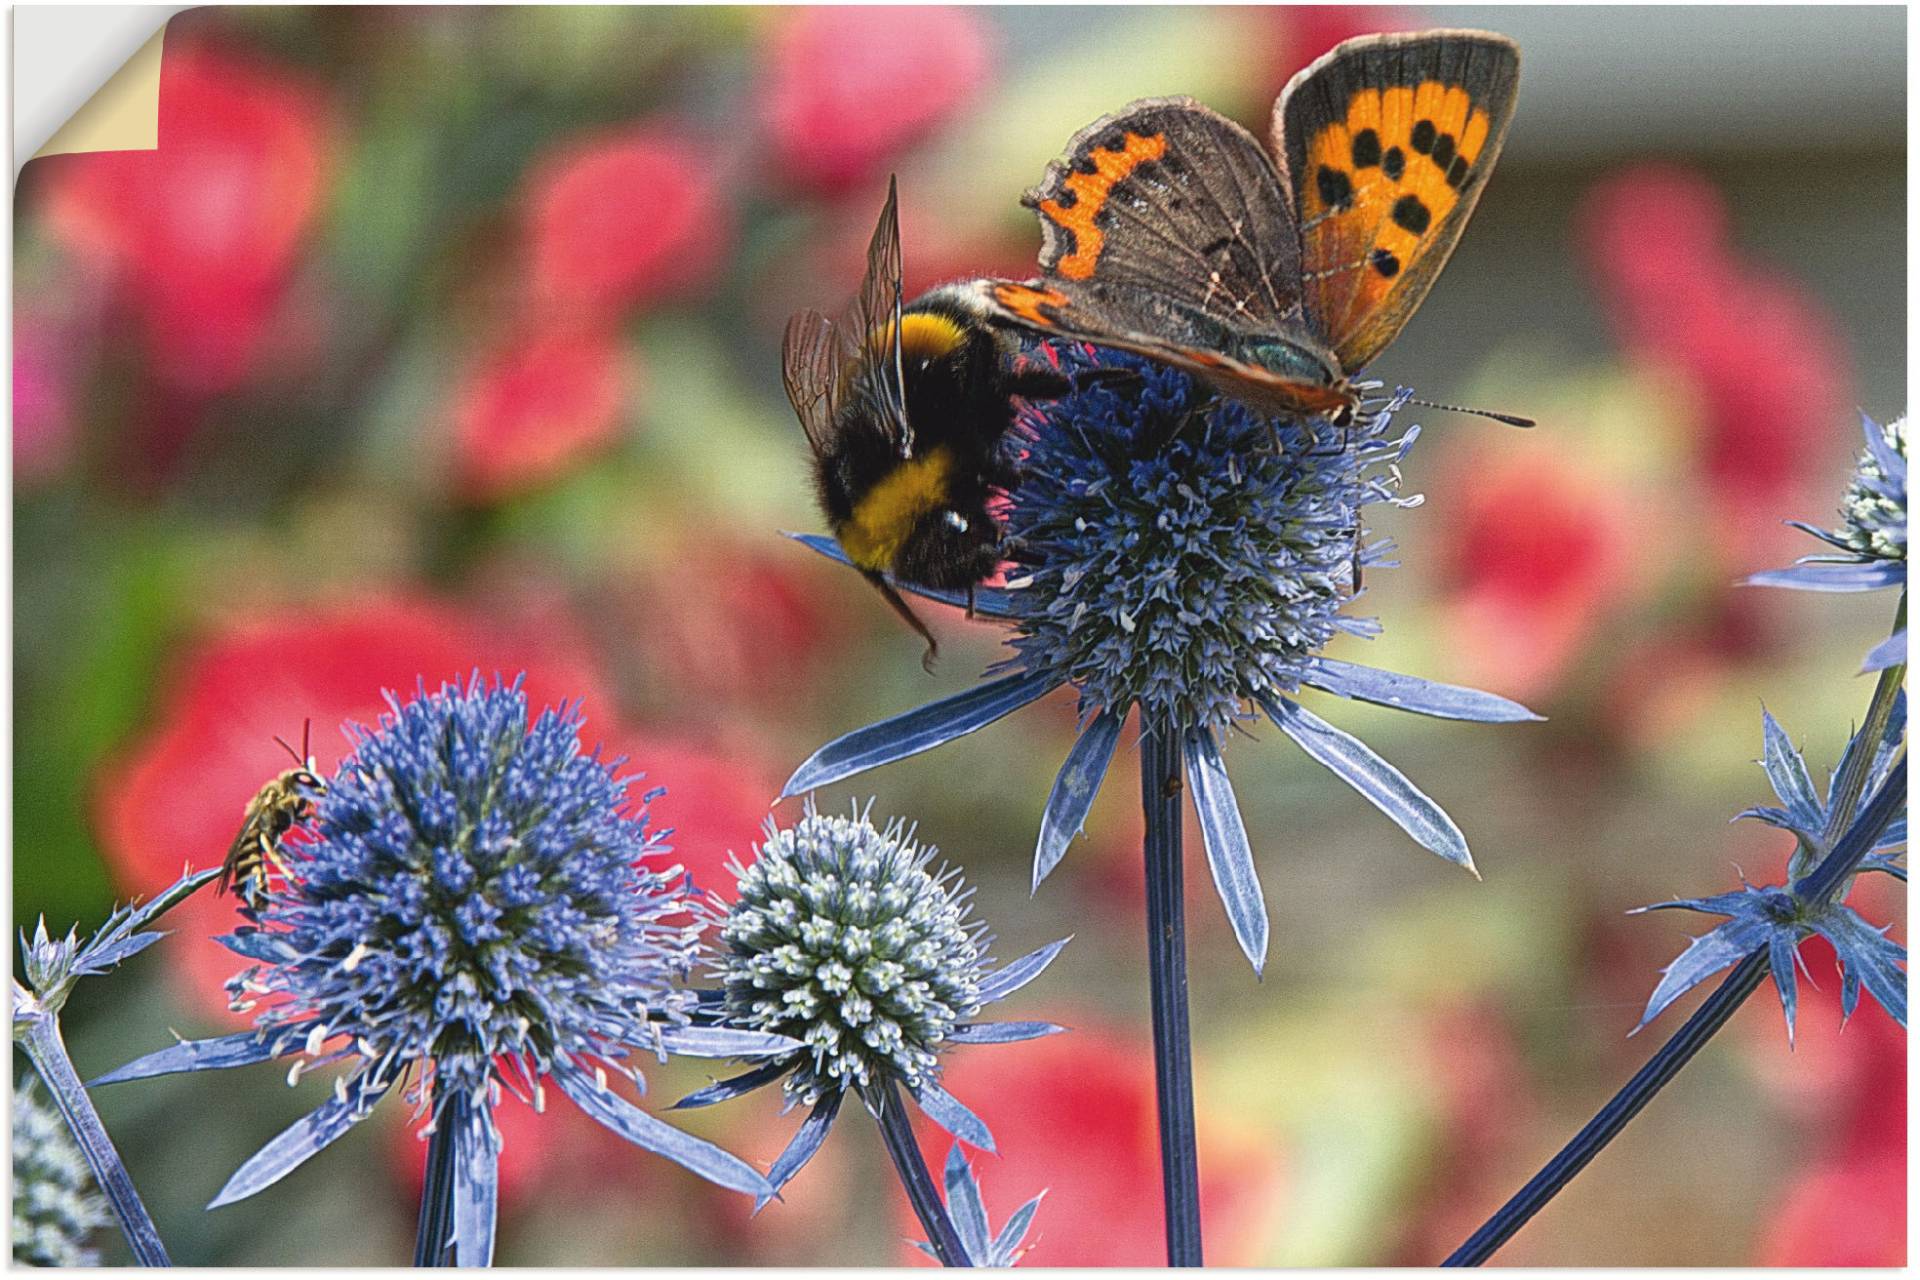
x=1511 y=419
x=306 y=740
x=288 y=748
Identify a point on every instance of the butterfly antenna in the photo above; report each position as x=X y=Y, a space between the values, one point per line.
x=1512 y=420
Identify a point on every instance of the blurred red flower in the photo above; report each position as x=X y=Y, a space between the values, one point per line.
x=1074 y=1115
x=43 y=400
x=202 y=234
x=622 y=218
x=1761 y=356
x=1542 y=551
x=1846 y=1206
x=847 y=88
x=535 y=406
x=176 y=794
x=715 y=803
x=753 y=599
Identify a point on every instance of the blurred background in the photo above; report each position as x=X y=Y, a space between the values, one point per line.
x=435 y=339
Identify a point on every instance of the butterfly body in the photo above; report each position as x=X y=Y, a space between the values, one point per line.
x=1169 y=231
x=906 y=408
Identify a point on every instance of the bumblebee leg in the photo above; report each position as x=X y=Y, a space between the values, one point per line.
x=912 y=619
x=970 y=591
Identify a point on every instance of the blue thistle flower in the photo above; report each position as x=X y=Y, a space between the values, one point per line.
x=477 y=910
x=56 y=1207
x=1181 y=554
x=843 y=941
x=1779 y=917
x=1870 y=546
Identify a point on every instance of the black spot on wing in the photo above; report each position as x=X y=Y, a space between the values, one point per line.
x=1411 y=214
x=1336 y=188
x=1394 y=163
x=1385 y=263
x=1366 y=149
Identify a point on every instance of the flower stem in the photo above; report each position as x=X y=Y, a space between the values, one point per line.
x=1677 y=1052
x=1160 y=790
x=912 y=1168
x=48 y=1053
x=434 y=1239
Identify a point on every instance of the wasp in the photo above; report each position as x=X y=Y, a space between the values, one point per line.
x=274 y=810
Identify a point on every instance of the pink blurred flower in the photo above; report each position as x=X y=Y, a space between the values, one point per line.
x=1842 y=1211
x=1074 y=1114
x=622 y=218
x=1762 y=359
x=175 y=794
x=845 y=89
x=534 y=407
x=1540 y=554
x=44 y=426
x=716 y=802
x=202 y=234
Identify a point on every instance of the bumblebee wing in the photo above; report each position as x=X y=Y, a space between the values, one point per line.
x=870 y=331
x=809 y=365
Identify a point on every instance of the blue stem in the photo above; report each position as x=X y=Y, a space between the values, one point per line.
x=1160 y=799
x=1677 y=1052
x=434 y=1238
x=912 y=1168
x=48 y=1053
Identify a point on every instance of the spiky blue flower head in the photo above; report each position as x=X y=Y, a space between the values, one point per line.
x=842 y=938
x=1179 y=554
x=846 y=939
x=1870 y=546
x=479 y=907
x=1183 y=554
x=56 y=1208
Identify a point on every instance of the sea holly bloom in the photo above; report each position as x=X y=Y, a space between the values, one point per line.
x=1870 y=546
x=56 y=1207
x=842 y=940
x=1780 y=919
x=969 y=1214
x=476 y=911
x=1180 y=554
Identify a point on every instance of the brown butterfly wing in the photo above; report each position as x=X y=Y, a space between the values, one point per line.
x=1166 y=218
x=1388 y=141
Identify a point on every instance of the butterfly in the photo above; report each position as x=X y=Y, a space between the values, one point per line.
x=1168 y=231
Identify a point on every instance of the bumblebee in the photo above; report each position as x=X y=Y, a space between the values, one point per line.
x=272 y=812
x=906 y=409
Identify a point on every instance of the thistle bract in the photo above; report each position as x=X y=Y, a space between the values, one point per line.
x=1183 y=553
x=842 y=939
x=56 y=1208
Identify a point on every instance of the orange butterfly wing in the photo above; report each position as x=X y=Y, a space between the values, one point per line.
x=1387 y=142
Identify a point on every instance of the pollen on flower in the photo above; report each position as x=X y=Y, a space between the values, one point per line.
x=1183 y=552
x=842 y=939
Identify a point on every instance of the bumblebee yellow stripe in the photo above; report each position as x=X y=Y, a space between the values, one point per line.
x=885 y=515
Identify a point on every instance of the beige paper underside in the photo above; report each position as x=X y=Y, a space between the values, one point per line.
x=124 y=115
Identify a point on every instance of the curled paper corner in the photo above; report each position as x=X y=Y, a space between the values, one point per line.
x=122 y=115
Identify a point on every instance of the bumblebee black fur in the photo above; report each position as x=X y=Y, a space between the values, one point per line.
x=923 y=517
